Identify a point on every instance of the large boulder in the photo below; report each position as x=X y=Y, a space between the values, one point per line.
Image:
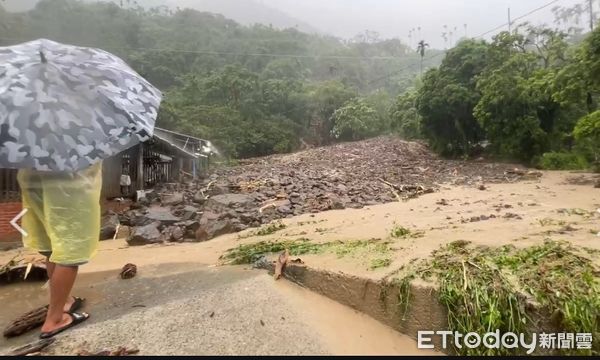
x=213 y=225
x=134 y=218
x=214 y=229
x=108 y=227
x=335 y=202
x=189 y=228
x=173 y=234
x=189 y=213
x=171 y=199
x=143 y=235
x=225 y=201
x=218 y=189
x=218 y=228
x=162 y=215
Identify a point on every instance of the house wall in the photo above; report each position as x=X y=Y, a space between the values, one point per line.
x=8 y=211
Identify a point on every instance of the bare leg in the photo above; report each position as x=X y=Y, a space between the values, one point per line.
x=50 y=266
x=61 y=283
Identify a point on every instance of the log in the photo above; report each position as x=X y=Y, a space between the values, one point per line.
x=26 y=322
x=32 y=348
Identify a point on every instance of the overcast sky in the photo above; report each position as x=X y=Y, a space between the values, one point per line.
x=394 y=18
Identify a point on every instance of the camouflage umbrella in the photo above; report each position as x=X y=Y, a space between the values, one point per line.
x=63 y=107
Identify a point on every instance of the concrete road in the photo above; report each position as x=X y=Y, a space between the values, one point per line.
x=224 y=310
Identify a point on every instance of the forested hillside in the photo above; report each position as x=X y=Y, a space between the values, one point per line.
x=530 y=95
x=252 y=90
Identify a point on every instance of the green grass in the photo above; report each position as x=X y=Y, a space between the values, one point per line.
x=577 y=211
x=361 y=247
x=310 y=222
x=549 y=222
x=271 y=228
x=380 y=263
x=265 y=230
x=485 y=289
x=248 y=253
x=402 y=295
x=400 y=232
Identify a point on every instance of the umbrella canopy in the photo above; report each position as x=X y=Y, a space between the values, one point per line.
x=64 y=107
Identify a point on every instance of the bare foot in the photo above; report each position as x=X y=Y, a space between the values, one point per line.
x=68 y=304
x=51 y=326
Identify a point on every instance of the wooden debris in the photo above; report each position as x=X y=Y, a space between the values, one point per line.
x=297 y=261
x=14 y=271
x=121 y=351
x=281 y=263
x=31 y=349
x=129 y=271
x=263 y=208
x=203 y=191
x=116 y=231
x=26 y=322
x=410 y=191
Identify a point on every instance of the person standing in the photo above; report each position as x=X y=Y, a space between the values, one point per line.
x=63 y=224
x=63 y=110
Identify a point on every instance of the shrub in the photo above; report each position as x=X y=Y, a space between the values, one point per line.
x=562 y=161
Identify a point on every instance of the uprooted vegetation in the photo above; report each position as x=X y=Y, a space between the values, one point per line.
x=400 y=232
x=375 y=251
x=511 y=290
x=266 y=230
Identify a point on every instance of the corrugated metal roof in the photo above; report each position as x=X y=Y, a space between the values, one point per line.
x=171 y=145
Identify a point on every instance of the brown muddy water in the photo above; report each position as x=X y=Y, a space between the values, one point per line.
x=313 y=323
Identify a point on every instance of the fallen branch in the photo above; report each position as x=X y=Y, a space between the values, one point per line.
x=281 y=263
x=391 y=185
x=121 y=351
x=207 y=188
x=263 y=208
x=116 y=231
x=464 y=275
x=474 y=265
x=32 y=348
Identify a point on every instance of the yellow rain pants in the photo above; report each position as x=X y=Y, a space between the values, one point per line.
x=63 y=213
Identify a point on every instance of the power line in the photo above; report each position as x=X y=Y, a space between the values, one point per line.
x=328 y=57
x=406 y=68
x=477 y=37
x=221 y=53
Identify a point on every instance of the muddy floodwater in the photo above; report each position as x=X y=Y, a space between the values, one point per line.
x=169 y=309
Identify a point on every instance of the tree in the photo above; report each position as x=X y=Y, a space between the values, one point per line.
x=325 y=99
x=356 y=120
x=405 y=118
x=587 y=135
x=421 y=50
x=518 y=109
x=447 y=97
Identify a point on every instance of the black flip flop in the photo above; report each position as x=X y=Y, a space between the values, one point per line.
x=77 y=318
x=77 y=304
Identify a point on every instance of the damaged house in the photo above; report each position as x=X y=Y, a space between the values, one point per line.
x=167 y=157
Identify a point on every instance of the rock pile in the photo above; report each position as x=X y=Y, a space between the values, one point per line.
x=258 y=191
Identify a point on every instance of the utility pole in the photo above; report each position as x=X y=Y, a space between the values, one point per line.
x=509 y=22
x=591 y=15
